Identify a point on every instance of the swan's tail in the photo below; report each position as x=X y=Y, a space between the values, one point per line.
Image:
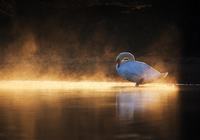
x=163 y=75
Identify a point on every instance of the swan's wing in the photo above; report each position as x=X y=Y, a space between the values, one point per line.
x=135 y=71
x=131 y=71
x=138 y=68
x=149 y=73
x=149 y=70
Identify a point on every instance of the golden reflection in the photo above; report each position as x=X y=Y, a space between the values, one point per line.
x=23 y=112
x=32 y=112
x=35 y=111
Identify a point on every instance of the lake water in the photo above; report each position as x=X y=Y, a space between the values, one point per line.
x=136 y=114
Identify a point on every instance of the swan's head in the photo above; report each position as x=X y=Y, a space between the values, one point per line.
x=124 y=57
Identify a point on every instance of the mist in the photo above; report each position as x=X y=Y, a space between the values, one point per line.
x=85 y=49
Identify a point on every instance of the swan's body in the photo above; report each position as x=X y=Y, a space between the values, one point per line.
x=136 y=71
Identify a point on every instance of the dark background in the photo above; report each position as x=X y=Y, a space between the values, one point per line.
x=92 y=32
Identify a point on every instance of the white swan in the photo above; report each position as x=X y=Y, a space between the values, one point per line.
x=136 y=71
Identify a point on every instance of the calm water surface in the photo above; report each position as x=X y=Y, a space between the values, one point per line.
x=138 y=114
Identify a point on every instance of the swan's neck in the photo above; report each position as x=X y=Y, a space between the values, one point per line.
x=117 y=66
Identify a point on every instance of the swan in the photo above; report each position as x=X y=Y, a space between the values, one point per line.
x=136 y=71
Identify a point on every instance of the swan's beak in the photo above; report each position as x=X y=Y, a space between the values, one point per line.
x=118 y=63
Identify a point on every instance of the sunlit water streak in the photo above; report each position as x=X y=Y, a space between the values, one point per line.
x=80 y=85
x=87 y=110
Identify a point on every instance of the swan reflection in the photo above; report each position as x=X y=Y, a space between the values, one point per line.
x=130 y=104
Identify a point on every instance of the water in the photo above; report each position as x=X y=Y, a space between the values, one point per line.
x=138 y=114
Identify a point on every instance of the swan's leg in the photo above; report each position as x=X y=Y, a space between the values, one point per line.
x=139 y=82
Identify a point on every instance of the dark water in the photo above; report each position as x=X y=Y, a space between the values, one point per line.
x=139 y=114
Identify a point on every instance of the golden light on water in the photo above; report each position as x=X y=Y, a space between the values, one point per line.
x=32 y=108
x=80 y=85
